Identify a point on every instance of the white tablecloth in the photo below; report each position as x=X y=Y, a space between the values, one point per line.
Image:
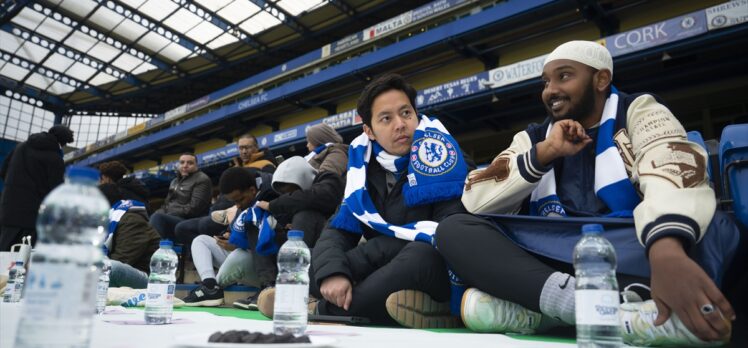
x=108 y=335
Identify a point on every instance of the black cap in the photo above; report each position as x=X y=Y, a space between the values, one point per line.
x=63 y=134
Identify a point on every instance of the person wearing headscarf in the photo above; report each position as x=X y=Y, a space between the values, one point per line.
x=327 y=153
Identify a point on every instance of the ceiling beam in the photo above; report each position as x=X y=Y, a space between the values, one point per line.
x=10 y=8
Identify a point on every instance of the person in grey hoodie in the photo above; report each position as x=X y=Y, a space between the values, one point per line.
x=307 y=199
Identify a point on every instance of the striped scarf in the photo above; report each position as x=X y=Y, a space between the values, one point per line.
x=436 y=172
x=612 y=184
x=317 y=150
x=265 y=224
x=115 y=215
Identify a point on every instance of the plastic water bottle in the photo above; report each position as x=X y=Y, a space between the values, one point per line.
x=596 y=292
x=60 y=294
x=103 y=285
x=292 y=286
x=159 y=301
x=14 y=288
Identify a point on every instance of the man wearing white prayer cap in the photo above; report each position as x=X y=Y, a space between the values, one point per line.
x=600 y=153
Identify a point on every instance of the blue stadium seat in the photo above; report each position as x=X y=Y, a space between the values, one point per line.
x=733 y=159
x=696 y=137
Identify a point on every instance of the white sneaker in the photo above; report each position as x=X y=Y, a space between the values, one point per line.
x=482 y=312
x=637 y=328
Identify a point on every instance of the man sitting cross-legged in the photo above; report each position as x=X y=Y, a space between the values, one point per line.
x=601 y=152
x=395 y=196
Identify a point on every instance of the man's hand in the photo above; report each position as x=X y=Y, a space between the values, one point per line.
x=679 y=285
x=223 y=242
x=567 y=137
x=264 y=205
x=337 y=290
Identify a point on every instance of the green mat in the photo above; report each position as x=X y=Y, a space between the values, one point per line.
x=254 y=315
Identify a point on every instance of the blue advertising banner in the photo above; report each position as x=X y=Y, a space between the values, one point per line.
x=453 y=89
x=337 y=121
x=218 y=155
x=434 y=8
x=671 y=30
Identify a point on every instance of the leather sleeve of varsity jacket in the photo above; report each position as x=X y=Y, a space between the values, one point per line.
x=671 y=173
x=501 y=187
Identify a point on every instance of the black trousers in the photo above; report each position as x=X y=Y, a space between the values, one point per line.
x=385 y=265
x=486 y=259
x=311 y=222
x=189 y=229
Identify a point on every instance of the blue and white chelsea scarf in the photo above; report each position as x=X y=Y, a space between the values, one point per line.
x=265 y=224
x=317 y=150
x=436 y=172
x=612 y=184
x=115 y=215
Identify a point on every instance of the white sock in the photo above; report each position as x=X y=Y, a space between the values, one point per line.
x=557 y=297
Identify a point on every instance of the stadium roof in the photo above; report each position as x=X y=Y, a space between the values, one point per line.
x=152 y=55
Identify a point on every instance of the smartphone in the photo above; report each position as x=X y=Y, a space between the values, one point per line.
x=339 y=319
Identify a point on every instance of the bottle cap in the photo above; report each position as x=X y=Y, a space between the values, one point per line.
x=19 y=263
x=295 y=234
x=592 y=229
x=82 y=172
x=166 y=242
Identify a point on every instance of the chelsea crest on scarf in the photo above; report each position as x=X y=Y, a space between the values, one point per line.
x=436 y=171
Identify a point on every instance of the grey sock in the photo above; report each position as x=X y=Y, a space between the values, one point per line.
x=557 y=297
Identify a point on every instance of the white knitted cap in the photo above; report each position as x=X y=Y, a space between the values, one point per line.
x=589 y=53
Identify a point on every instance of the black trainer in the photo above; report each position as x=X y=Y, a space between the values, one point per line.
x=249 y=303
x=203 y=296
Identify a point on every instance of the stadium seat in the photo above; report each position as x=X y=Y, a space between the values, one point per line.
x=733 y=158
x=696 y=137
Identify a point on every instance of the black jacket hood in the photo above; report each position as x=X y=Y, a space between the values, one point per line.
x=43 y=141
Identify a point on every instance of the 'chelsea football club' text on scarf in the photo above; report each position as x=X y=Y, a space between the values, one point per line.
x=436 y=172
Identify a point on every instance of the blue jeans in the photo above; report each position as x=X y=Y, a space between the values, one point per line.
x=125 y=275
x=165 y=224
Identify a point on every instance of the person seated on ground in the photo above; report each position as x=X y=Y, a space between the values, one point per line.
x=131 y=240
x=188 y=197
x=229 y=252
x=601 y=152
x=250 y=155
x=305 y=202
x=326 y=151
x=113 y=172
x=395 y=197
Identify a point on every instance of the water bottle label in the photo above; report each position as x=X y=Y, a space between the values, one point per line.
x=58 y=291
x=597 y=307
x=159 y=295
x=291 y=298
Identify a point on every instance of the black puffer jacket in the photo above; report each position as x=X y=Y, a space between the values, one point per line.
x=30 y=172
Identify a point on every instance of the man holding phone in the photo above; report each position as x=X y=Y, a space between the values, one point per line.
x=227 y=251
